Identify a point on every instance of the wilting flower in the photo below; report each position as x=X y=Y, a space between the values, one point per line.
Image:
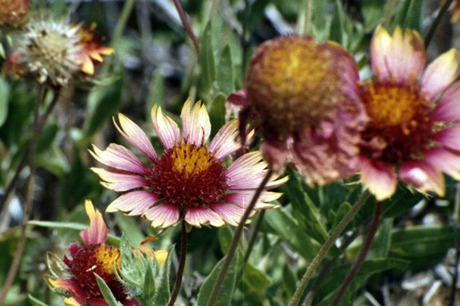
x=304 y=96
x=414 y=113
x=12 y=12
x=53 y=52
x=189 y=180
x=87 y=260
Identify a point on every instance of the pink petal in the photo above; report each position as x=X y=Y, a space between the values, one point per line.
x=230 y=213
x=378 y=177
x=166 y=129
x=444 y=160
x=243 y=198
x=118 y=157
x=276 y=154
x=97 y=231
x=134 y=202
x=195 y=123
x=134 y=134
x=226 y=140
x=422 y=176
x=448 y=107
x=119 y=181
x=440 y=74
x=163 y=215
x=198 y=216
x=399 y=58
x=449 y=137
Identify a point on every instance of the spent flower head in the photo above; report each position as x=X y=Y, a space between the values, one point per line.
x=13 y=12
x=413 y=130
x=304 y=96
x=86 y=261
x=54 y=51
x=189 y=180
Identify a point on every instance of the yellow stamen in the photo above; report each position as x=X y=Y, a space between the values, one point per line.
x=107 y=257
x=191 y=160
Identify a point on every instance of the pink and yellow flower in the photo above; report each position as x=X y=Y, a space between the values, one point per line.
x=413 y=130
x=303 y=95
x=189 y=180
x=87 y=260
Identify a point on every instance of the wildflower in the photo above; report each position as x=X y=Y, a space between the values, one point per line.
x=189 y=180
x=413 y=110
x=303 y=94
x=92 y=51
x=455 y=16
x=52 y=52
x=94 y=257
x=12 y=12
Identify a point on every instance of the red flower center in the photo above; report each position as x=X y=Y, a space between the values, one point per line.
x=400 y=125
x=97 y=259
x=188 y=176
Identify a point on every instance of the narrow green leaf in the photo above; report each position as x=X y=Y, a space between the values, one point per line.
x=4 y=98
x=207 y=63
x=289 y=231
x=156 y=91
x=106 y=293
x=217 y=113
x=225 y=79
x=255 y=282
x=163 y=293
x=35 y=302
x=149 y=285
x=228 y=286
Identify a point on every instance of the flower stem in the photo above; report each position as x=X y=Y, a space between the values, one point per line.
x=362 y=254
x=187 y=25
x=239 y=230
x=254 y=236
x=436 y=22
x=326 y=246
x=37 y=127
x=180 y=268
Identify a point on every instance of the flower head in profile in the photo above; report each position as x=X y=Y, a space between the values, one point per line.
x=190 y=180
x=413 y=130
x=304 y=96
x=87 y=260
x=54 y=51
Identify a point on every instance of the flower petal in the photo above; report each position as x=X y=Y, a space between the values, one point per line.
x=166 y=129
x=97 y=231
x=230 y=213
x=198 y=216
x=444 y=160
x=119 y=181
x=379 y=178
x=118 y=157
x=78 y=295
x=243 y=198
x=163 y=215
x=399 y=58
x=226 y=140
x=134 y=134
x=422 y=176
x=134 y=202
x=440 y=74
x=448 y=107
x=449 y=137
x=196 y=125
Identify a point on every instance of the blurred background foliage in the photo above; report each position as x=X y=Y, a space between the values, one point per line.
x=155 y=63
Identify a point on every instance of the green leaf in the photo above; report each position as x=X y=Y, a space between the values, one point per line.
x=162 y=293
x=156 y=92
x=255 y=282
x=333 y=280
x=304 y=210
x=225 y=235
x=130 y=228
x=217 y=113
x=35 y=302
x=289 y=231
x=4 y=98
x=409 y=15
x=225 y=78
x=382 y=242
x=106 y=293
x=149 y=285
x=228 y=286
x=207 y=63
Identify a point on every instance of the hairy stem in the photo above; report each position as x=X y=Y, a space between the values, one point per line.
x=362 y=254
x=239 y=230
x=180 y=268
x=326 y=246
x=37 y=127
x=187 y=26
